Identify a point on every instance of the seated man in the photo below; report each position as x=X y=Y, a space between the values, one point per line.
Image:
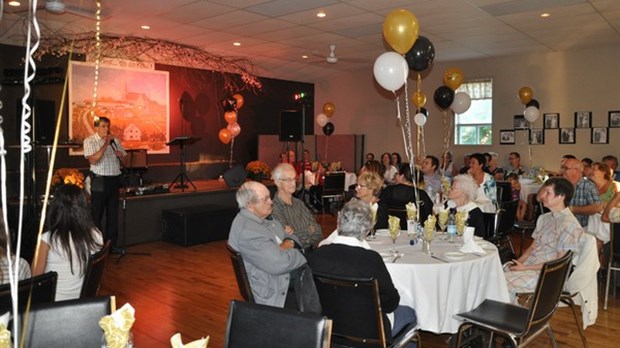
x=585 y=201
x=268 y=252
x=556 y=232
x=349 y=255
x=292 y=212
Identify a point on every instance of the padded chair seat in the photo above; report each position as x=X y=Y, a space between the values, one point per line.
x=500 y=315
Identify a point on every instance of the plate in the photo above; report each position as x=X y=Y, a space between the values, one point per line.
x=454 y=255
x=382 y=232
x=485 y=245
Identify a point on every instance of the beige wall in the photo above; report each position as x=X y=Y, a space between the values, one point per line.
x=563 y=82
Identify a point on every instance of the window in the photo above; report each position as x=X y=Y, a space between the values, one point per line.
x=475 y=126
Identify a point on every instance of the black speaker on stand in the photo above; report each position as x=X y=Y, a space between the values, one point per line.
x=291 y=125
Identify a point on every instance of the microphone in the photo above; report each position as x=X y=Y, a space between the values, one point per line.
x=113 y=144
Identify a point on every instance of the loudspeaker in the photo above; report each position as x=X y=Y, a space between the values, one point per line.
x=235 y=176
x=290 y=125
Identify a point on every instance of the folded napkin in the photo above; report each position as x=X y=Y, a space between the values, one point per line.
x=469 y=244
x=175 y=342
x=412 y=211
x=5 y=334
x=116 y=327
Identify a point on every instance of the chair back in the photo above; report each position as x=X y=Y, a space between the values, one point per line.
x=334 y=184
x=344 y=299
x=504 y=191
x=507 y=219
x=39 y=289
x=94 y=271
x=548 y=290
x=73 y=323
x=240 y=274
x=252 y=325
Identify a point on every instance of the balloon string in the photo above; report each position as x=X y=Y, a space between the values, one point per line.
x=447 y=130
x=232 y=145
x=408 y=141
x=326 y=146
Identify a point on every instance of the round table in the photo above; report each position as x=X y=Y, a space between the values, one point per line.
x=438 y=289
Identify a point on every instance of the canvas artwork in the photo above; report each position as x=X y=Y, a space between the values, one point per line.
x=135 y=100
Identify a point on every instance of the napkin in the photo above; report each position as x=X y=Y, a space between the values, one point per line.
x=5 y=334
x=175 y=342
x=469 y=244
x=412 y=211
x=116 y=326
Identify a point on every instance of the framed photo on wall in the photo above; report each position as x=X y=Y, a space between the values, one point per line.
x=537 y=136
x=506 y=136
x=583 y=119
x=614 y=119
x=551 y=121
x=567 y=135
x=520 y=122
x=599 y=135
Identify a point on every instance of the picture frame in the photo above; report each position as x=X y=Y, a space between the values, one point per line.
x=567 y=136
x=614 y=119
x=551 y=121
x=507 y=137
x=583 y=119
x=520 y=122
x=537 y=136
x=599 y=135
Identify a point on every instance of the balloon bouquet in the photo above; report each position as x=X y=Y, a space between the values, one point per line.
x=531 y=112
x=324 y=120
x=227 y=135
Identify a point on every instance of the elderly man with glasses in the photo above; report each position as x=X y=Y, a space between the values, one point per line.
x=292 y=212
x=585 y=201
x=269 y=254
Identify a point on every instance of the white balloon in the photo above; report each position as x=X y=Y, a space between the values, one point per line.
x=419 y=119
x=391 y=71
x=321 y=119
x=461 y=103
x=531 y=113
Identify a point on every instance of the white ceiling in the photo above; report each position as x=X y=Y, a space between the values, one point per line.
x=275 y=33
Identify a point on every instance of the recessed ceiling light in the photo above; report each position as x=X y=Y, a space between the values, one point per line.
x=545 y=15
x=14 y=3
x=146 y=27
x=321 y=14
x=237 y=44
x=304 y=57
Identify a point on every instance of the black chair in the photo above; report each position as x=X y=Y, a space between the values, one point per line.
x=504 y=191
x=240 y=274
x=73 y=323
x=503 y=224
x=38 y=289
x=94 y=271
x=527 y=227
x=344 y=298
x=613 y=259
x=252 y=325
x=518 y=324
x=333 y=189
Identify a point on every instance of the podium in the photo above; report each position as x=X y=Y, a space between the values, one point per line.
x=182 y=178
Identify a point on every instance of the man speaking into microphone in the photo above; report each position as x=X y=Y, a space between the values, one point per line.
x=104 y=153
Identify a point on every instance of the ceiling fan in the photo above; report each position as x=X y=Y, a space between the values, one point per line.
x=331 y=57
x=59 y=7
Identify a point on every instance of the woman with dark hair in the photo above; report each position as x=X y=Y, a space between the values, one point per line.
x=24 y=268
x=487 y=188
x=390 y=170
x=394 y=198
x=71 y=239
x=396 y=160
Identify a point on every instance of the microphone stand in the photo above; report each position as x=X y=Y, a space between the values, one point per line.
x=123 y=249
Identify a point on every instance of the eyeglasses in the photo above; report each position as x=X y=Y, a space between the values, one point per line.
x=263 y=199
x=287 y=179
x=563 y=168
x=361 y=186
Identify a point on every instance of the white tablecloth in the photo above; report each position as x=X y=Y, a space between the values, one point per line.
x=527 y=189
x=598 y=228
x=437 y=290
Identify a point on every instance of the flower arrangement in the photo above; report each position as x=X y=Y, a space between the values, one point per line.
x=67 y=176
x=258 y=170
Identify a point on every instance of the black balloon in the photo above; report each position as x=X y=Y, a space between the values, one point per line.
x=423 y=111
x=444 y=96
x=229 y=104
x=533 y=102
x=328 y=129
x=421 y=55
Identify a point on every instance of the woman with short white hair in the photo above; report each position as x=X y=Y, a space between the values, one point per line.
x=463 y=193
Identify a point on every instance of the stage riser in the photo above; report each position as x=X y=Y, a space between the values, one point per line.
x=196 y=225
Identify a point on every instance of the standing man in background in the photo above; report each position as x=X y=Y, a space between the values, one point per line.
x=104 y=153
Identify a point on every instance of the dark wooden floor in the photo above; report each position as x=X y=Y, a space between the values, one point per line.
x=188 y=289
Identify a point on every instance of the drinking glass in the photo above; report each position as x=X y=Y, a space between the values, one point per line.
x=427 y=239
x=394 y=233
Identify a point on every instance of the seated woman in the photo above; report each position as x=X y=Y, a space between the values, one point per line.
x=349 y=255
x=71 y=239
x=556 y=232
x=487 y=189
x=515 y=187
x=463 y=192
x=394 y=199
x=24 y=267
x=390 y=169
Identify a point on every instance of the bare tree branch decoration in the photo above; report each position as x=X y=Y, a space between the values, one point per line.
x=143 y=49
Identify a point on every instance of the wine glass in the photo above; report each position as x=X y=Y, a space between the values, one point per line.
x=394 y=233
x=442 y=219
x=429 y=234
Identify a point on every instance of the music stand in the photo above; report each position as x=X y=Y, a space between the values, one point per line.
x=182 y=177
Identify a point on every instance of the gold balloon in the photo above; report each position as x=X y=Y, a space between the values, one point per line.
x=525 y=95
x=328 y=109
x=239 y=99
x=400 y=30
x=419 y=99
x=453 y=78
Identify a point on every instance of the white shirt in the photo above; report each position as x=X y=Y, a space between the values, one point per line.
x=109 y=164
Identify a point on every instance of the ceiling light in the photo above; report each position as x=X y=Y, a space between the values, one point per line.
x=545 y=15
x=14 y=3
x=304 y=57
x=237 y=44
x=146 y=27
x=321 y=14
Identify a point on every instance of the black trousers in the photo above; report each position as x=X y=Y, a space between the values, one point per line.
x=105 y=201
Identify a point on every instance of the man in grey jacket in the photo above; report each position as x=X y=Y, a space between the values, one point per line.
x=268 y=252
